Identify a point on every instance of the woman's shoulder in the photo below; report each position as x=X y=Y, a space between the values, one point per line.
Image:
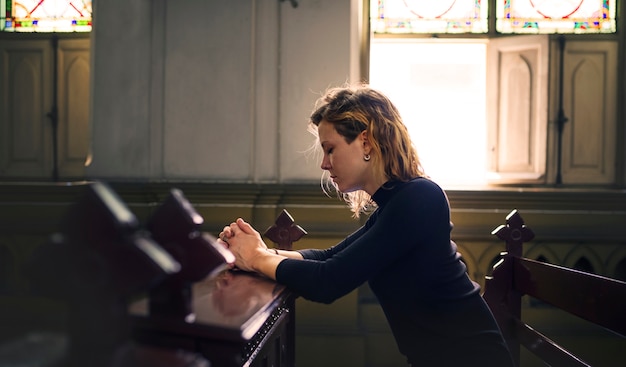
x=417 y=197
x=419 y=188
x=423 y=184
x=422 y=189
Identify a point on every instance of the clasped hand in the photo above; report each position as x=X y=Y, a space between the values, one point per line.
x=244 y=242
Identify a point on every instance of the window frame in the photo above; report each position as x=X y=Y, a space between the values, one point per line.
x=550 y=148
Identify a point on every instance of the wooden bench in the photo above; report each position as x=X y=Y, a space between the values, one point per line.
x=159 y=295
x=98 y=261
x=597 y=299
x=231 y=318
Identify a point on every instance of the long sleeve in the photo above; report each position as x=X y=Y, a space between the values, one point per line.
x=409 y=216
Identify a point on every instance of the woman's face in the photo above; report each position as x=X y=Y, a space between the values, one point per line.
x=344 y=162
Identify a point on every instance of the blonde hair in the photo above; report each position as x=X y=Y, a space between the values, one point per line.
x=358 y=108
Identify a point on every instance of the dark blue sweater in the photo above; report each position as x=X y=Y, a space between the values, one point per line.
x=404 y=251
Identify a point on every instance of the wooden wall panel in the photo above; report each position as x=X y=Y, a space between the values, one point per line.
x=24 y=103
x=515 y=132
x=589 y=102
x=74 y=93
x=517 y=90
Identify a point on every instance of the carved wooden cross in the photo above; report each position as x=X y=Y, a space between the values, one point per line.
x=284 y=232
x=514 y=233
x=500 y=293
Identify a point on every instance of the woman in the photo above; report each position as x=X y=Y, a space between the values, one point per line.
x=403 y=251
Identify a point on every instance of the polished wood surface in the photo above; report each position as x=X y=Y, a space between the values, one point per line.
x=230 y=306
x=231 y=317
x=239 y=319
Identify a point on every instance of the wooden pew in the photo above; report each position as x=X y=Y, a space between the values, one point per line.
x=232 y=318
x=154 y=296
x=98 y=261
x=597 y=299
x=175 y=225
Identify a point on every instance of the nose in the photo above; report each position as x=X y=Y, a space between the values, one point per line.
x=325 y=165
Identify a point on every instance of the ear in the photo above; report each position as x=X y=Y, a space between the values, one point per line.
x=367 y=146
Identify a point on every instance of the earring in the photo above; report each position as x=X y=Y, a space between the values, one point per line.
x=366 y=157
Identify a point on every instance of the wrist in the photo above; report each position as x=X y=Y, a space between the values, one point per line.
x=260 y=260
x=272 y=250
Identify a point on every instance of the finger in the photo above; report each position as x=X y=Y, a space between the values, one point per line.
x=227 y=231
x=223 y=243
x=245 y=226
x=223 y=236
x=233 y=227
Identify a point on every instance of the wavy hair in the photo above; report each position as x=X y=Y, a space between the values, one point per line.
x=358 y=108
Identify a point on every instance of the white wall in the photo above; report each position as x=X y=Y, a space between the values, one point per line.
x=214 y=90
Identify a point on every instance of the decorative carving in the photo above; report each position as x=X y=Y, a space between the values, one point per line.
x=514 y=233
x=285 y=232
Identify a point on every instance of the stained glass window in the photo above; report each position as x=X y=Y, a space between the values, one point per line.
x=512 y=16
x=45 y=15
x=428 y=16
x=555 y=16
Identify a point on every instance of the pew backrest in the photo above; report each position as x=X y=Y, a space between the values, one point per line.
x=597 y=299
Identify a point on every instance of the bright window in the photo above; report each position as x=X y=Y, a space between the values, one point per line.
x=45 y=15
x=441 y=84
x=439 y=88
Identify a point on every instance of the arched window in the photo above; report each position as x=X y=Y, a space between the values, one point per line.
x=512 y=16
x=45 y=15
x=573 y=16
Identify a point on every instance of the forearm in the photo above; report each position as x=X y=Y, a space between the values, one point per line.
x=267 y=262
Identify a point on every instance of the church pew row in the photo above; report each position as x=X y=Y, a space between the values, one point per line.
x=596 y=299
x=156 y=294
